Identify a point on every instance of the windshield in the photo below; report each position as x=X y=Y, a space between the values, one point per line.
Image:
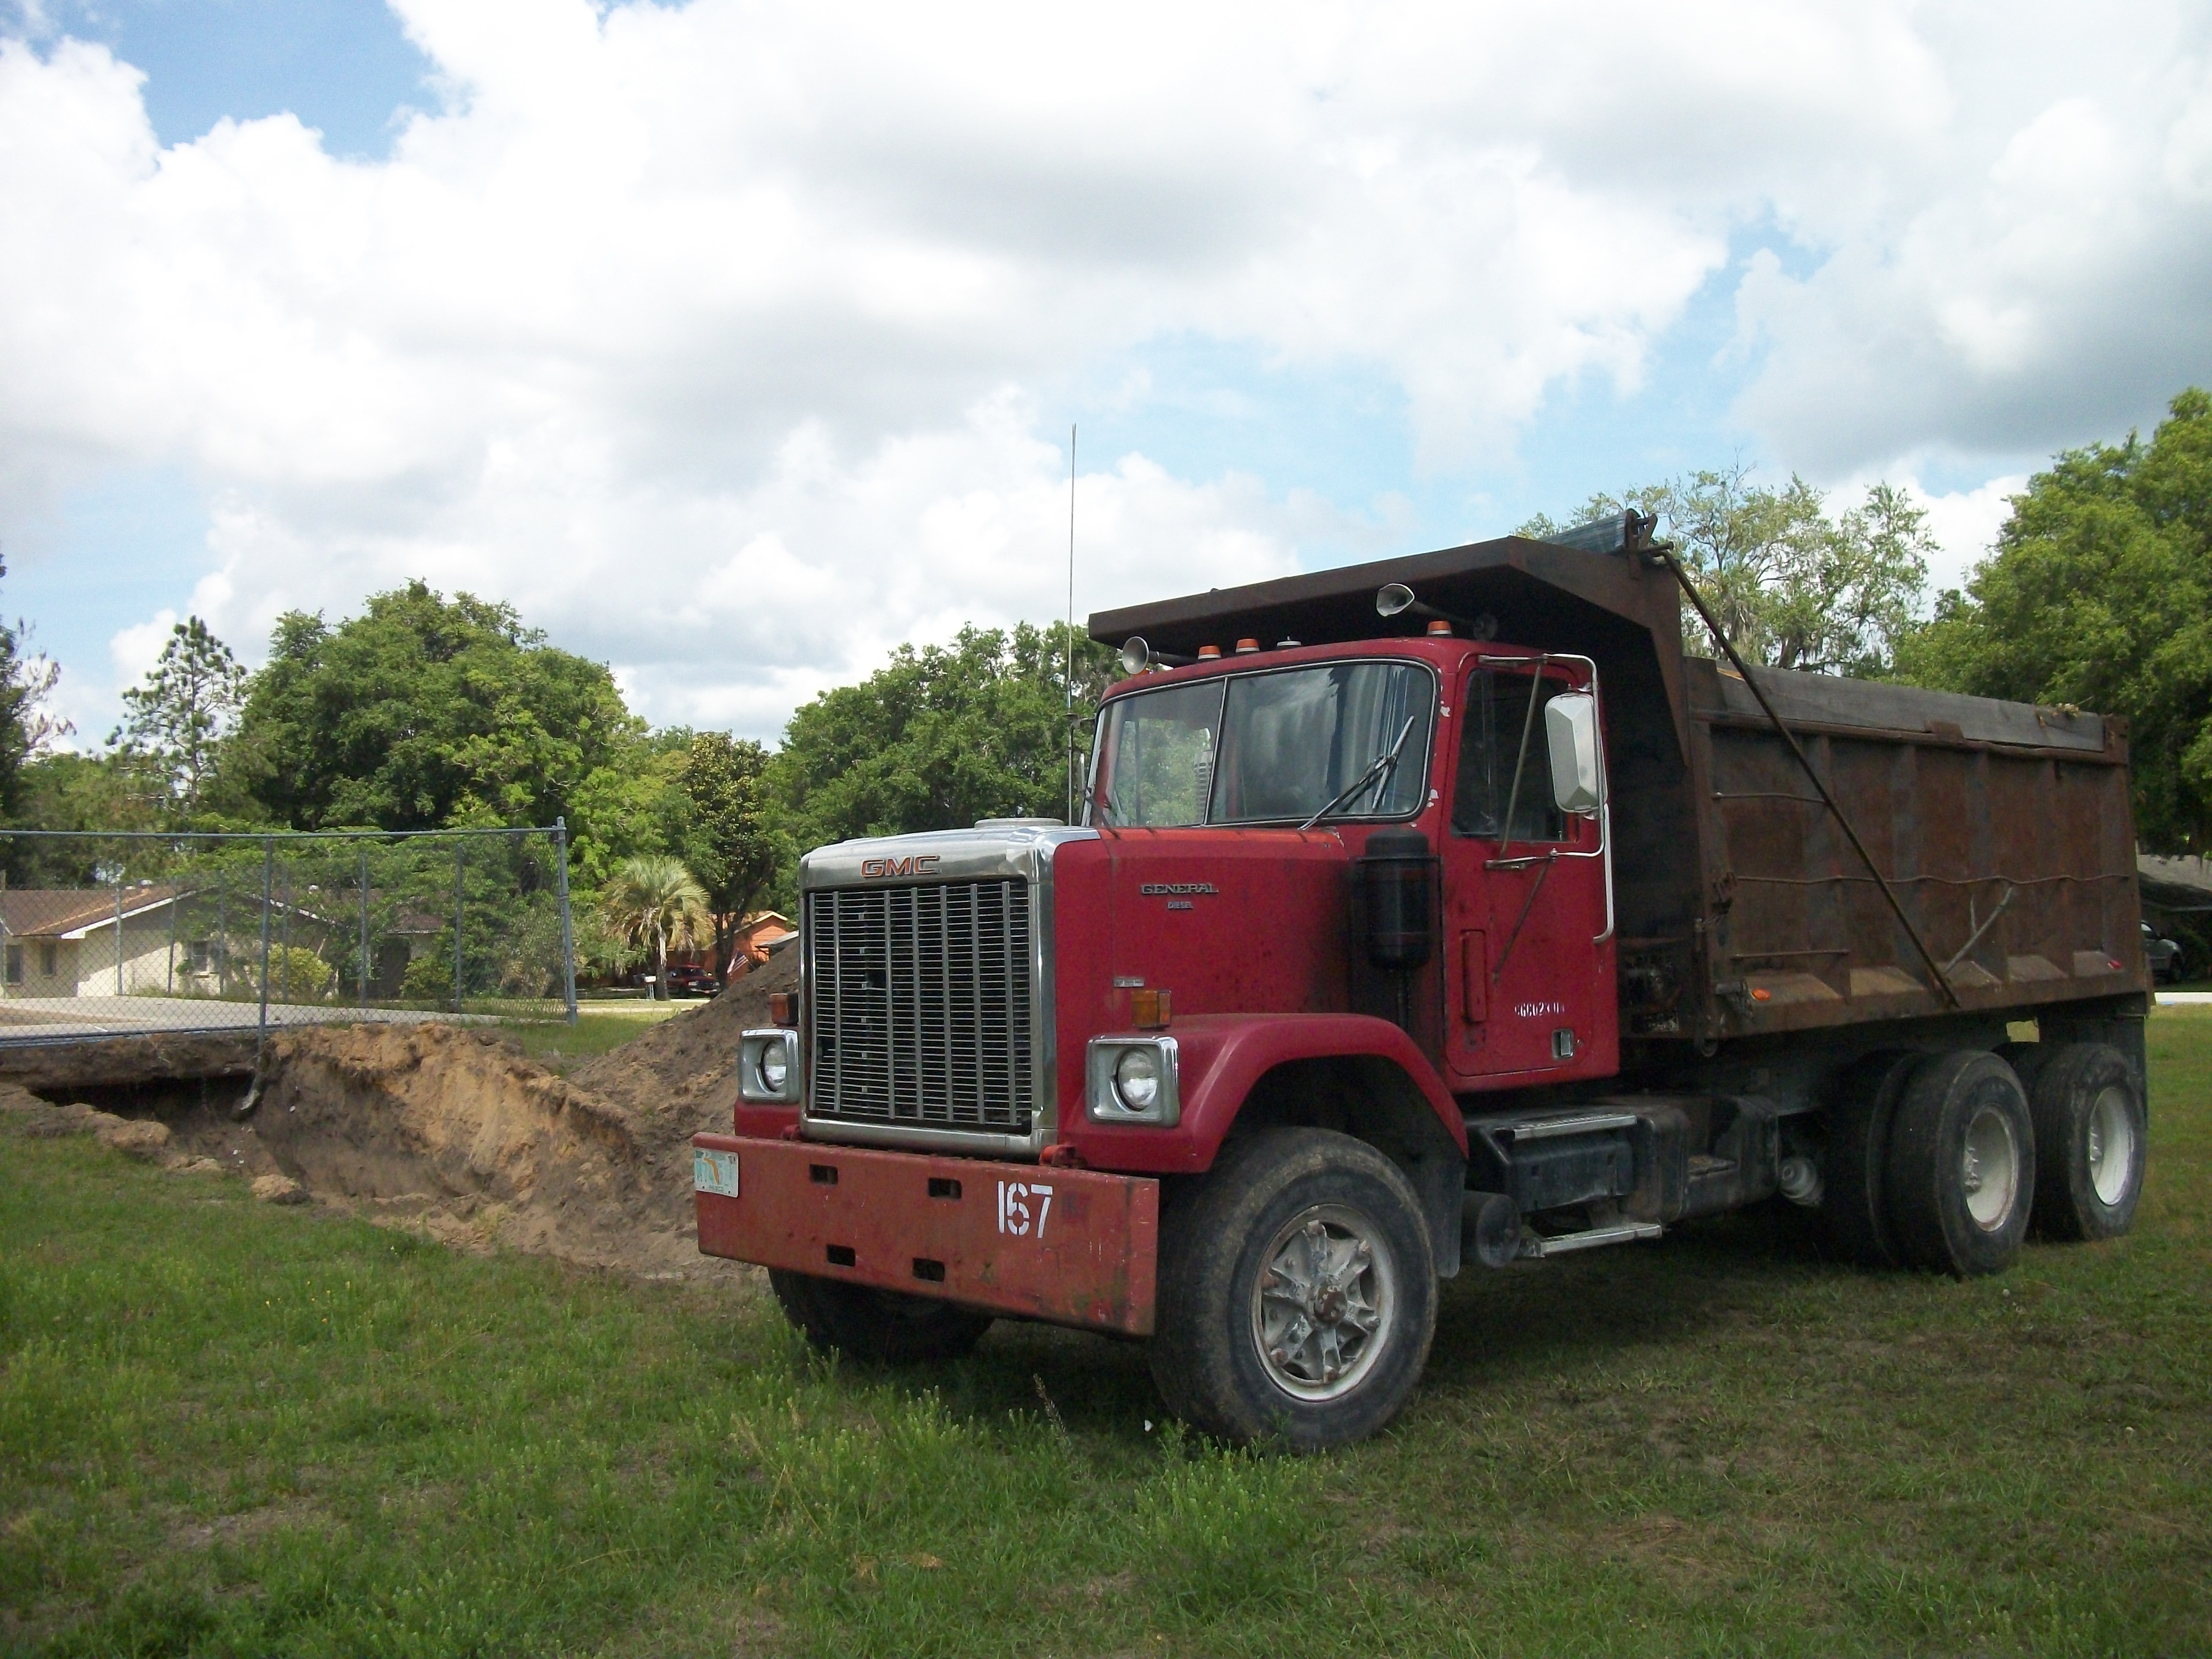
x=1265 y=748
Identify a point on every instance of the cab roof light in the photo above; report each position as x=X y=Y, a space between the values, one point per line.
x=1246 y=648
x=1440 y=628
x=1208 y=653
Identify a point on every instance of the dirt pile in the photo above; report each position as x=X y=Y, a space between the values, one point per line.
x=456 y=1132
x=680 y=1077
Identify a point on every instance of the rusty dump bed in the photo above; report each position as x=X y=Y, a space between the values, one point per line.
x=2003 y=830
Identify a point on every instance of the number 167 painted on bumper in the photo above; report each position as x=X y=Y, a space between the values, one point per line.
x=1014 y=1197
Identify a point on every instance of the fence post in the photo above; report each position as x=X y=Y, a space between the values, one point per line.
x=119 y=932
x=176 y=902
x=222 y=934
x=267 y=885
x=459 y=847
x=284 y=937
x=364 y=927
x=567 y=932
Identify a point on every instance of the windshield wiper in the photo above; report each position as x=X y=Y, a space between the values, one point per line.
x=1378 y=772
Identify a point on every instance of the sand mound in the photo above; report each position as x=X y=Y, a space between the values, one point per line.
x=678 y=1077
x=458 y=1133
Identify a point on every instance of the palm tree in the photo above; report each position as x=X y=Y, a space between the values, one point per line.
x=653 y=902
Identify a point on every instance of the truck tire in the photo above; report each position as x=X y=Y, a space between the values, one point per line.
x=1854 y=1214
x=879 y=1327
x=1297 y=1292
x=2091 y=1135
x=1962 y=1166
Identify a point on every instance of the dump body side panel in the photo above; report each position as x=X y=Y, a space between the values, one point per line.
x=2005 y=830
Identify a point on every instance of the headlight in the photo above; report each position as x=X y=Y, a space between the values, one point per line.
x=1133 y=1080
x=1137 y=1078
x=767 y=1067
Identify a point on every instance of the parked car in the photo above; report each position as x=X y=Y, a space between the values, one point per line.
x=2163 y=955
x=688 y=981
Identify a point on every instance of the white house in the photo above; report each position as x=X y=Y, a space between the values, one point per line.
x=90 y=942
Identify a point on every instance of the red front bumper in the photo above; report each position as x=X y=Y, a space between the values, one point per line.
x=1069 y=1247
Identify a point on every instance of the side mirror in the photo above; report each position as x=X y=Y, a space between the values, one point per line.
x=1570 y=727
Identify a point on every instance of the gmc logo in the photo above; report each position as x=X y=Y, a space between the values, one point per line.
x=920 y=864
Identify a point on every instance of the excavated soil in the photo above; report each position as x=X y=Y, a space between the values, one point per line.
x=456 y=1132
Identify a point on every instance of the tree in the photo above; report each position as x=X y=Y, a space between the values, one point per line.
x=178 y=715
x=940 y=737
x=653 y=902
x=634 y=803
x=27 y=679
x=2099 y=594
x=419 y=714
x=733 y=844
x=1791 y=587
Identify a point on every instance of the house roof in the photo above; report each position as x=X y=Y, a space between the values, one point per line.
x=2182 y=883
x=72 y=912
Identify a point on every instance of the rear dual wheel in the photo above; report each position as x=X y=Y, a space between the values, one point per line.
x=2091 y=1135
x=1854 y=1214
x=1960 y=1166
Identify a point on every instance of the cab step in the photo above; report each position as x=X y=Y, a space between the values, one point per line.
x=1535 y=1247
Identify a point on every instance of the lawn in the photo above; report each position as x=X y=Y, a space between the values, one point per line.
x=558 y=1045
x=228 y=1428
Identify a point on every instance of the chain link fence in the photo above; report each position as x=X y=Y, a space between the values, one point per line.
x=128 y=934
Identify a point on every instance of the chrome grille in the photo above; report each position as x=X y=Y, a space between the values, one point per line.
x=920 y=1007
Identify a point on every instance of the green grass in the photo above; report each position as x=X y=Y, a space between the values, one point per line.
x=558 y=1045
x=226 y=1429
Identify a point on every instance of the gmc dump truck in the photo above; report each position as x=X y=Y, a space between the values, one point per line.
x=1437 y=913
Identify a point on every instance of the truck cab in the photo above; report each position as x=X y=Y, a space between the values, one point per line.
x=1339 y=981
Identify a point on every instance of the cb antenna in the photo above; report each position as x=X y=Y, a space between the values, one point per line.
x=1071 y=621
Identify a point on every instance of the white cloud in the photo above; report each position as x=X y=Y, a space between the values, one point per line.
x=2041 y=274
x=135 y=650
x=1964 y=523
x=712 y=336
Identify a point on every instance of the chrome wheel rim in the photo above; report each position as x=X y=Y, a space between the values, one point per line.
x=1326 y=1302
x=1991 y=1169
x=2111 y=1144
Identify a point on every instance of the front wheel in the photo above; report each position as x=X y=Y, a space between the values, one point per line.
x=1297 y=1292
x=881 y=1326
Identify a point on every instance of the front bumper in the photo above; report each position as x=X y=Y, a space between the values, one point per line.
x=1068 y=1247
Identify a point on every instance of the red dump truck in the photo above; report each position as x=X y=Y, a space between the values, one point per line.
x=1435 y=913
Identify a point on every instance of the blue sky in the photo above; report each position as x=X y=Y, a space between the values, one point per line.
x=583 y=309
x=343 y=67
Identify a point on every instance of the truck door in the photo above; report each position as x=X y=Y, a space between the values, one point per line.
x=1528 y=955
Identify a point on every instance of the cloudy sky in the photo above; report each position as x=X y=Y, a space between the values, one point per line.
x=734 y=342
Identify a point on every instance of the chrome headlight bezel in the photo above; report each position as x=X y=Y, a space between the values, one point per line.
x=1102 y=1099
x=753 y=1048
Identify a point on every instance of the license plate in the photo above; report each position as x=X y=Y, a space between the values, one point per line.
x=714 y=1172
